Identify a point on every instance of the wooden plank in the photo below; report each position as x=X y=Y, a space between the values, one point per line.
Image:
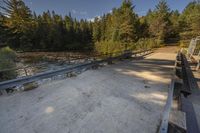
x=178 y=120
x=191 y=120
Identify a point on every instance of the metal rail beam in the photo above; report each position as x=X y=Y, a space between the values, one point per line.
x=28 y=79
x=167 y=109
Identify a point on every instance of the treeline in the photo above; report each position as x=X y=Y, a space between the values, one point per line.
x=124 y=29
x=46 y=32
x=54 y=33
x=120 y=30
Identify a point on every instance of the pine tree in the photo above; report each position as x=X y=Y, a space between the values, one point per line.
x=191 y=17
x=4 y=32
x=18 y=18
x=160 y=22
x=143 y=28
x=128 y=29
x=69 y=35
x=174 y=19
x=96 y=30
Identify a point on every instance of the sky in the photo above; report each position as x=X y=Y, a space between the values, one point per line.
x=88 y=9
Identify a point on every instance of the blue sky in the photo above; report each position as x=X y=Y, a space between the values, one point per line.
x=88 y=9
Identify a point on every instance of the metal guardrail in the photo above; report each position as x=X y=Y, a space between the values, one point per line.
x=93 y=56
x=191 y=118
x=28 y=79
x=167 y=108
x=23 y=68
x=70 y=59
x=185 y=105
x=189 y=86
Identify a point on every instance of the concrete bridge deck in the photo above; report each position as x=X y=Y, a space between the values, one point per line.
x=126 y=97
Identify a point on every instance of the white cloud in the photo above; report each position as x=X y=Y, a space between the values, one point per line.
x=92 y=19
x=99 y=17
x=141 y=13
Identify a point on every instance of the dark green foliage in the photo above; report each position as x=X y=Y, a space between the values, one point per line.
x=190 y=20
x=119 y=30
x=54 y=33
x=159 y=21
x=128 y=23
x=18 y=18
x=108 y=47
x=143 y=29
x=147 y=43
x=46 y=32
x=97 y=30
x=175 y=24
x=3 y=31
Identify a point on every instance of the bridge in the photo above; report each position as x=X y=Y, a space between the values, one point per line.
x=133 y=95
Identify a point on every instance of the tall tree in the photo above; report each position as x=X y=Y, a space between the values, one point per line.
x=129 y=23
x=175 y=24
x=191 y=17
x=18 y=17
x=96 y=30
x=4 y=31
x=160 y=24
x=143 y=31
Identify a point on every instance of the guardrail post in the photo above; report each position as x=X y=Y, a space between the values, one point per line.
x=3 y=92
x=25 y=72
x=198 y=62
x=198 y=65
x=110 y=58
x=68 y=58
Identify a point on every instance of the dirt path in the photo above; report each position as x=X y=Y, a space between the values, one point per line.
x=126 y=97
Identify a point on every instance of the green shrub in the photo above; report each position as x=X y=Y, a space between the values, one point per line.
x=109 y=47
x=183 y=44
x=188 y=35
x=7 y=61
x=147 y=43
x=114 y=46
